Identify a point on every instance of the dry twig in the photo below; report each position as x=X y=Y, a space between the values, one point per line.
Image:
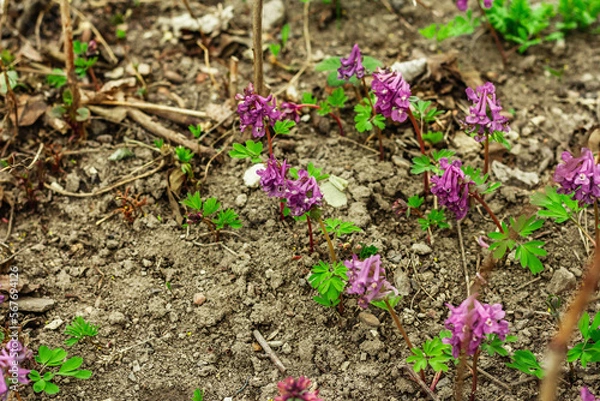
x=265 y=346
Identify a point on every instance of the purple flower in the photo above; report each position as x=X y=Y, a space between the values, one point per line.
x=272 y=179
x=367 y=279
x=352 y=65
x=471 y=322
x=579 y=175
x=10 y=359
x=586 y=395
x=255 y=110
x=452 y=188
x=291 y=389
x=392 y=93
x=303 y=194
x=290 y=111
x=484 y=116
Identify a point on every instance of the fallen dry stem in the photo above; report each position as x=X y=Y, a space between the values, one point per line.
x=265 y=346
x=557 y=349
x=67 y=26
x=257 y=10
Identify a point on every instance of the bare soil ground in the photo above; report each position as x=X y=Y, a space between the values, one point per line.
x=156 y=344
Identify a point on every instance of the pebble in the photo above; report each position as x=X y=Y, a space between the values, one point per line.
x=421 y=248
x=562 y=280
x=286 y=349
x=37 y=305
x=241 y=200
x=55 y=324
x=273 y=14
x=72 y=182
x=199 y=298
x=173 y=77
x=117 y=318
x=135 y=366
x=360 y=192
x=465 y=145
x=372 y=347
x=504 y=173
x=369 y=319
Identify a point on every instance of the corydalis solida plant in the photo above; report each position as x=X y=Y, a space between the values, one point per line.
x=291 y=389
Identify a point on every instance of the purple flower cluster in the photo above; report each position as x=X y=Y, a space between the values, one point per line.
x=291 y=389
x=11 y=358
x=255 y=110
x=352 y=65
x=471 y=321
x=462 y=4
x=586 y=395
x=301 y=195
x=480 y=121
x=392 y=93
x=366 y=278
x=290 y=111
x=579 y=175
x=452 y=188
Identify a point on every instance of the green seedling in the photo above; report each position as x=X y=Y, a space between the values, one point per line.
x=79 y=330
x=587 y=350
x=51 y=358
x=203 y=210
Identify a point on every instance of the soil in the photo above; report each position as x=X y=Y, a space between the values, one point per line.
x=155 y=343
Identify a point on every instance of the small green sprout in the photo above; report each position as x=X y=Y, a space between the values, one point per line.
x=434 y=353
x=251 y=150
x=196 y=130
x=203 y=210
x=526 y=362
x=198 y=395
x=339 y=227
x=57 y=79
x=589 y=349
x=79 y=330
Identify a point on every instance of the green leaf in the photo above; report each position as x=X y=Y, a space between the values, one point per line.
x=415 y=201
x=439 y=154
x=275 y=48
x=57 y=79
x=558 y=207
x=82 y=374
x=528 y=254
x=283 y=127
x=196 y=130
x=51 y=388
x=308 y=98
x=70 y=364
x=339 y=227
x=229 y=218
x=584 y=325
x=39 y=386
x=421 y=164
x=44 y=355
x=315 y=172
x=199 y=394
x=329 y=64
x=58 y=356
x=48 y=376
x=193 y=201
x=13 y=78
x=430 y=31
x=370 y=63
x=251 y=149
x=433 y=137
x=34 y=375
x=525 y=361
x=285 y=34
x=337 y=98
x=183 y=154
x=211 y=205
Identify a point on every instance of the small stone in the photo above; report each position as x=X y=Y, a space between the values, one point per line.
x=132 y=377
x=199 y=299
x=251 y=179
x=273 y=14
x=360 y=192
x=72 y=182
x=117 y=318
x=241 y=200
x=286 y=349
x=38 y=305
x=421 y=248
x=369 y=319
x=372 y=347
x=402 y=282
x=144 y=69
x=465 y=145
x=55 y=324
x=115 y=74
x=562 y=280
x=173 y=77
x=135 y=366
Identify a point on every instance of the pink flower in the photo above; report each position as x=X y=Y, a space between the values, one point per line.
x=586 y=395
x=291 y=389
x=366 y=278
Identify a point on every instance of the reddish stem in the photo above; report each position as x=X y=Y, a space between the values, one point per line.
x=474 y=383
x=435 y=381
x=487 y=209
x=332 y=115
x=269 y=140
x=486 y=154
x=281 y=207
x=310 y=235
x=421 y=146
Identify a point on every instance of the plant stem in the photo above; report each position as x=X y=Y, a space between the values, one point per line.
x=378 y=130
x=487 y=209
x=328 y=238
x=310 y=235
x=212 y=228
x=415 y=125
x=281 y=207
x=398 y=324
x=584 y=231
x=257 y=10
x=435 y=381
x=474 y=385
x=494 y=35
x=596 y=222
x=14 y=104
x=486 y=155
x=67 y=26
x=558 y=347
x=332 y=115
x=269 y=138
